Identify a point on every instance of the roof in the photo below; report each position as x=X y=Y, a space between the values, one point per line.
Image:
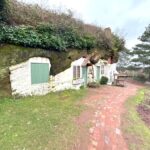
x=86 y=61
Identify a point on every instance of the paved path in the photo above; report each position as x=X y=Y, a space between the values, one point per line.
x=108 y=105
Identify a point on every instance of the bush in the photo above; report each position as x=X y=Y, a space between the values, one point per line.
x=82 y=87
x=93 y=85
x=46 y=36
x=140 y=77
x=103 y=80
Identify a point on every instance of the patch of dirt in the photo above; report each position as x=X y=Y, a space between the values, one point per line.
x=144 y=110
x=100 y=123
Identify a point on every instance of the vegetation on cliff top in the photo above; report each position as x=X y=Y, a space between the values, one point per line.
x=32 y=26
x=46 y=36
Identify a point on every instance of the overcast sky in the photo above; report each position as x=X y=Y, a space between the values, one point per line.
x=126 y=17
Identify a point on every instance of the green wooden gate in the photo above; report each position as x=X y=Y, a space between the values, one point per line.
x=84 y=75
x=39 y=73
x=98 y=73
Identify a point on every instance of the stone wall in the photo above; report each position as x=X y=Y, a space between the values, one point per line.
x=20 y=78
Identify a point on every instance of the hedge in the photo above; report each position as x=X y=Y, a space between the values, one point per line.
x=46 y=36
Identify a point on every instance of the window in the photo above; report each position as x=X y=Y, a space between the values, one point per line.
x=76 y=72
x=39 y=73
x=102 y=69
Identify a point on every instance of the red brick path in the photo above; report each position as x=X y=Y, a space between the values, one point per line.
x=108 y=101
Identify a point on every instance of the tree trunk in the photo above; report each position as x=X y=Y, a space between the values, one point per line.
x=149 y=76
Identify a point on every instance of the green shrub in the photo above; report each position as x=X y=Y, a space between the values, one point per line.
x=140 y=77
x=82 y=87
x=93 y=85
x=46 y=36
x=103 y=80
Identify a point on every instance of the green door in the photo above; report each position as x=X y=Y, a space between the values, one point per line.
x=39 y=73
x=84 y=75
x=98 y=73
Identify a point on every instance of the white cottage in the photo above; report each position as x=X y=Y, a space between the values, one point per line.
x=110 y=72
x=104 y=68
x=96 y=71
x=30 y=77
x=82 y=72
x=100 y=69
x=71 y=78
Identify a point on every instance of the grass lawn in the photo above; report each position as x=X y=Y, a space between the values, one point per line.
x=40 y=122
x=136 y=132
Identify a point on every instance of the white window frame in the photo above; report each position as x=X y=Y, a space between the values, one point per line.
x=102 y=69
x=76 y=72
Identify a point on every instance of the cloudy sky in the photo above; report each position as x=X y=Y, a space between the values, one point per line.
x=126 y=17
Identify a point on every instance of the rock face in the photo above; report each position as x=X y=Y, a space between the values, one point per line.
x=20 y=78
x=94 y=58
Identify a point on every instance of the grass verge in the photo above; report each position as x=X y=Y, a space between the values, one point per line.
x=135 y=131
x=40 y=122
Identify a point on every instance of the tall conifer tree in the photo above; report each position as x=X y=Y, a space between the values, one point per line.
x=142 y=52
x=3 y=11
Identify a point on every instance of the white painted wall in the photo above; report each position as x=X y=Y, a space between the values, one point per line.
x=64 y=80
x=110 y=70
x=100 y=63
x=20 y=77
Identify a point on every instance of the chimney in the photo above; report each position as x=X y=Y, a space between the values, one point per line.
x=108 y=32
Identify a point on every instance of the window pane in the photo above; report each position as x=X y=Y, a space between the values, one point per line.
x=74 y=72
x=78 y=72
x=102 y=69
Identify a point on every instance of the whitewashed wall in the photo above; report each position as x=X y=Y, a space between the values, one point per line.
x=20 y=77
x=64 y=80
x=110 y=70
x=100 y=63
